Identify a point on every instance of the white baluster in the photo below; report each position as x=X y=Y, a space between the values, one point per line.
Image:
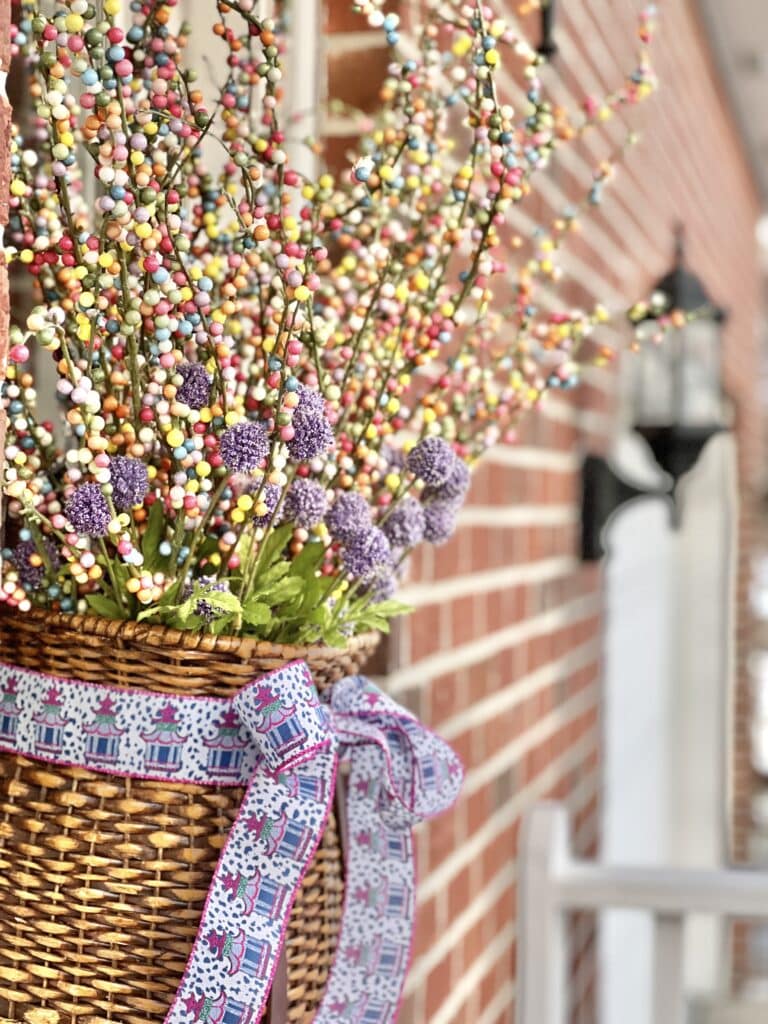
x=542 y=947
x=668 y=1002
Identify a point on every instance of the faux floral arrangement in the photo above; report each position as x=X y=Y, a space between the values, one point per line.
x=272 y=388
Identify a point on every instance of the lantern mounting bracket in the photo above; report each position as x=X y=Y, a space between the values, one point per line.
x=547 y=47
x=603 y=493
x=676 y=450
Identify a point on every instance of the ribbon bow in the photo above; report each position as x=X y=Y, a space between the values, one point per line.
x=281 y=741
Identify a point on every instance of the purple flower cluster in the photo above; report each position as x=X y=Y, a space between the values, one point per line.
x=405 y=524
x=305 y=503
x=195 y=389
x=312 y=433
x=245 y=446
x=270 y=495
x=32 y=577
x=130 y=482
x=88 y=511
x=349 y=514
x=367 y=552
x=207 y=611
x=432 y=460
x=454 y=487
x=381 y=586
x=440 y=521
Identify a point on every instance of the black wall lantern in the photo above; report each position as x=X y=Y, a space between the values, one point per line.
x=548 y=47
x=678 y=400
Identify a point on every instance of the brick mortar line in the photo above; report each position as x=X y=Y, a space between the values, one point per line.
x=438 y=880
x=458 y=928
x=450 y=938
x=549 y=514
x=515 y=692
x=422 y=595
x=421 y=672
x=499 y=945
x=339 y=44
x=503 y=1000
x=528 y=457
x=543 y=730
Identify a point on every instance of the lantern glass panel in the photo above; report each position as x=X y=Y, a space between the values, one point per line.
x=653 y=384
x=698 y=397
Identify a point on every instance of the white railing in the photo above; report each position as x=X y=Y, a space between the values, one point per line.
x=553 y=882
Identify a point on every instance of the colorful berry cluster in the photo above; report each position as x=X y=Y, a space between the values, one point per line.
x=270 y=386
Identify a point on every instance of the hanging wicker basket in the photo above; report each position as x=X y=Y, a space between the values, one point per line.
x=102 y=878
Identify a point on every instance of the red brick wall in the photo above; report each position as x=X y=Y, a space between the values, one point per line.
x=502 y=654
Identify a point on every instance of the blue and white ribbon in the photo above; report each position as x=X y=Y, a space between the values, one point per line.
x=280 y=741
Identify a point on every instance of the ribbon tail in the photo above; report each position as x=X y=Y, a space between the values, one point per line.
x=374 y=949
x=242 y=931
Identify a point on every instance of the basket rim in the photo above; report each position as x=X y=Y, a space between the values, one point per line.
x=161 y=636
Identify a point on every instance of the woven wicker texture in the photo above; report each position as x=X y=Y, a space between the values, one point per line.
x=103 y=879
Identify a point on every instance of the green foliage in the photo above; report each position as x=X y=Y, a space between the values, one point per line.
x=285 y=601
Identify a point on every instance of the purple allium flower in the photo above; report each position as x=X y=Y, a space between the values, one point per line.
x=312 y=435
x=349 y=514
x=432 y=460
x=207 y=611
x=244 y=446
x=270 y=495
x=130 y=482
x=382 y=586
x=440 y=521
x=394 y=457
x=366 y=552
x=456 y=486
x=311 y=403
x=404 y=526
x=305 y=503
x=195 y=391
x=32 y=577
x=88 y=511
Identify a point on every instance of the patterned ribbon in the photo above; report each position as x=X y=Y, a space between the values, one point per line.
x=279 y=740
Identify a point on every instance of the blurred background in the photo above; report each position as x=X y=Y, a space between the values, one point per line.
x=632 y=687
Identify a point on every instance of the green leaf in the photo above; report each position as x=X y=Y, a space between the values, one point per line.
x=221 y=625
x=389 y=609
x=255 y=613
x=334 y=638
x=274 y=544
x=182 y=613
x=285 y=590
x=153 y=535
x=307 y=562
x=268 y=577
x=222 y=599
x=105 y=606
